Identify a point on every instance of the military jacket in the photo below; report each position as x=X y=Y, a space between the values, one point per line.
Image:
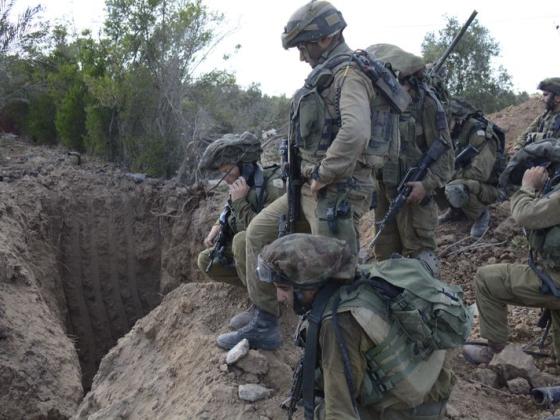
x=245 y=209
x=540 y=215
x=332 y=124
x=419 y=130
x=481 y=167
x=544 y=126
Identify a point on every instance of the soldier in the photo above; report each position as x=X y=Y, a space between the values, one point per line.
x=331 y=123
x=251 y=188
x=479 y=146
x=353 y=333
x=538 y=283
x=412 y=234
x=546 y=125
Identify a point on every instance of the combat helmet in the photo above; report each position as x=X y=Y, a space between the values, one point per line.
x=312 y=22
x=403 y=63
x=552 y=84
x=231 y=149
x=306 y=261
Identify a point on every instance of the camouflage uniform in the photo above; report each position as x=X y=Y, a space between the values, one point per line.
x=341 y=165
x=500 y=285
x=413 y=230
x=243 y=211
x=308 y=261
x=479 y=176
x=241 y=150
x=546 y=125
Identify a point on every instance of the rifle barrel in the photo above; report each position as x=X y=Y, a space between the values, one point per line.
x=437 y=67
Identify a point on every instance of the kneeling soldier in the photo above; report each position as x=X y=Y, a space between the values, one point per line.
x=363 y=361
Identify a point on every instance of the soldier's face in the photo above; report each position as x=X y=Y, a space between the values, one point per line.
x=285 y=295
x=231 y=173
x=311 y=52
x=551 y=101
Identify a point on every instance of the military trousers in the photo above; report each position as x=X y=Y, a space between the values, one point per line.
x=480 y=196
x=314 y=219
x=412 y=231
x=500 y=285
x=233 y=273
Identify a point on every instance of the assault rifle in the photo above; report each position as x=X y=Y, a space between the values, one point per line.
x=296 y=392
x=466 y=156
x=292 y=178
x=436 y=67
x=415 y=174
x=218 y=252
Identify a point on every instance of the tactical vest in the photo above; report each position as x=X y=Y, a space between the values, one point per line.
x=316 y=119
x=408 y=331
x=549 y=127
x=491 y=132
x=546 y=242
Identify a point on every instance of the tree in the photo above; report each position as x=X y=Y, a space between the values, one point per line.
x=469 y=72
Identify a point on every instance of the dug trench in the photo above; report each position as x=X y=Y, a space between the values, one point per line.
x=85 y=251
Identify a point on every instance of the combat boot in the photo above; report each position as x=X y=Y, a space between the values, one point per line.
x=477 y=354
x=480 y=226
x=242 y=318
x=451 y=215
x=263 y=332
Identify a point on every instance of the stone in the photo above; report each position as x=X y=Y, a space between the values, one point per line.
x=519 y=386
x=513 y=363
x=224 y=367
x=254 y=363
x=486 y=376
x=451 y=411
x=541 y=379
x=253 y=392
x=239 y=351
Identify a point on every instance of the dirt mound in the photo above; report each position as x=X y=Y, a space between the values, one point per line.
x=168 y=365
x=86 y=250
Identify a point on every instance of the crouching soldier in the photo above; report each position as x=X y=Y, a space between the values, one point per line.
x=367 y=352
x=251 y=188
x=480 y=158
x=536 y=207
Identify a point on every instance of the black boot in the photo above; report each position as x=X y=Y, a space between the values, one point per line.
x=243 y=318
x=451 y=215
x=480 y=226
x=263 y=332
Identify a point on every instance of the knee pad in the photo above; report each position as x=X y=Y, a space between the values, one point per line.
x=457 y=195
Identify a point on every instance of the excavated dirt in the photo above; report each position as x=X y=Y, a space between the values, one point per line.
x=91 y=271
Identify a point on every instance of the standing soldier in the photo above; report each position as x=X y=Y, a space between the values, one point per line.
x=412 y=233
x=251 y=188
x=331 y=125
x=546 y=125
x=479 y=146
x=536 y=207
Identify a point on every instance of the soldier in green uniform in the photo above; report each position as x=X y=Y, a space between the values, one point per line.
x=331 y=125
x=538 y=283
x=412 y=234
x=546 y=125
x=307 y=270
x=251 y=188
x=479 y=147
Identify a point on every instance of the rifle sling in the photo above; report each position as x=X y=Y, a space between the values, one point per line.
x=311 y=345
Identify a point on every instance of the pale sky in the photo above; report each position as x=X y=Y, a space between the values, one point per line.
x=528 y=33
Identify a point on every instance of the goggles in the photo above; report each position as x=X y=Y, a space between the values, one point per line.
x=268 y=275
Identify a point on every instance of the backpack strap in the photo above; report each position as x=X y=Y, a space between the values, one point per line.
x=260 y=182
x=314 y=319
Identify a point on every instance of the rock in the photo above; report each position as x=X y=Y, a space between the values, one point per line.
x=224 y=367
x=253 y=392
x=513 y=363
x=254 y=363
x=452 y=412
x=540 y=379
x=486 y=376
x=519 y=386
x=239 y=351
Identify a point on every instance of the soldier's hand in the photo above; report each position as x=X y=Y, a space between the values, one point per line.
x=535 y=178
x=316 y=186
x=239 y=189
x=417 y=193
x=211 y=237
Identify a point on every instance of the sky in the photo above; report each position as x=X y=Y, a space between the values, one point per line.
x=528 y=34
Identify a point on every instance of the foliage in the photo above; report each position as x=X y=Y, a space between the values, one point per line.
x=468 y=72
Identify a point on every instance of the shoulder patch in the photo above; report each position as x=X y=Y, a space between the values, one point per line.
x=481 y=133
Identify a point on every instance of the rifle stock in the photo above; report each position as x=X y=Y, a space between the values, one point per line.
x=217 y=254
